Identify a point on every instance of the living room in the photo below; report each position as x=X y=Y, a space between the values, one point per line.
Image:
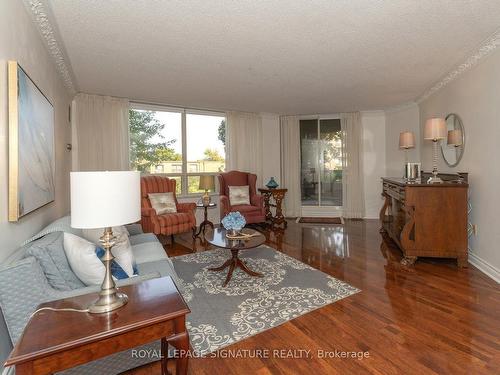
x=295 y=187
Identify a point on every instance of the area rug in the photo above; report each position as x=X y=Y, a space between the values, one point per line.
x=320 y=220
x=248 y=305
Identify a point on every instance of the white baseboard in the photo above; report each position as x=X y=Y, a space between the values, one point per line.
x=484 y=267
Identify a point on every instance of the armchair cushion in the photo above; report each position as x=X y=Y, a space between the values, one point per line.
x=178 y=218
x=245 y=208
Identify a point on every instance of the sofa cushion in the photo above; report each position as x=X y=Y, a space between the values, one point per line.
x=62 y=224
x=49 y=251
x=23 y=287
x=148 y=252
x=143 y=238
x=134 y=229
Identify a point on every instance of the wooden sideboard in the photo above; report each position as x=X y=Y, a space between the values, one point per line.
x=427 y=220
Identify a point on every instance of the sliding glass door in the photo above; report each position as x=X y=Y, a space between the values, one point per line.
x=321 y=162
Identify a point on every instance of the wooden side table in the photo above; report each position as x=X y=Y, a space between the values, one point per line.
x=205 y=221
x=57 y=340
x=277 y=196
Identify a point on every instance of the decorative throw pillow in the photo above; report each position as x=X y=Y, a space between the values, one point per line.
x=116 y=270
x=49 y=251
x=163 y=203
x=239 y=195
x=122 y=250
x=83 y=259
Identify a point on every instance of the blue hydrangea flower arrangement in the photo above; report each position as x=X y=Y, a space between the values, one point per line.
x=233 y=221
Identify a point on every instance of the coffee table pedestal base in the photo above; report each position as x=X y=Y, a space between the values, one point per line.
x=234 y=263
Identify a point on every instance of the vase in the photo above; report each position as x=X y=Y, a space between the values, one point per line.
x=272 y=184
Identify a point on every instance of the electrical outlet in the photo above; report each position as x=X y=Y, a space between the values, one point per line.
x=474 y=229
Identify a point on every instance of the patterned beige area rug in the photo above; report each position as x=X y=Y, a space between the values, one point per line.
x=248 y=305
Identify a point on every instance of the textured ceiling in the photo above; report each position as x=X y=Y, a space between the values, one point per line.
x=270 y=56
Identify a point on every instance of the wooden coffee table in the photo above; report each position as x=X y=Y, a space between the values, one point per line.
x=57 y=340
x=218 y=238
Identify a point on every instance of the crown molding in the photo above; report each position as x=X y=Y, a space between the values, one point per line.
x=400 y=107
x=486 y=48
x=40 y=14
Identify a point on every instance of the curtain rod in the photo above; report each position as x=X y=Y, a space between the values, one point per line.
x=175 y=106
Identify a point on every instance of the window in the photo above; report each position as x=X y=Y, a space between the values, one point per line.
x=321 y=162
x=178 y=143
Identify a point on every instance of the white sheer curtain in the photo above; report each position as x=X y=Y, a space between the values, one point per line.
x=100 y=132
x=244 y=143
x=352 y=168
x=290 y=164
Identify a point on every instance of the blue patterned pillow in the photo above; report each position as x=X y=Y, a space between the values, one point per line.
x=116 y=270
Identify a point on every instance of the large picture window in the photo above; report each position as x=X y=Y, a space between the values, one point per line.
x=178 y=143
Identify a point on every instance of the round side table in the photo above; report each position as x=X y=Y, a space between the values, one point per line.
x=205 y=222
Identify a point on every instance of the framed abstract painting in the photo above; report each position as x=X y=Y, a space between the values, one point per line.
x=31 y=145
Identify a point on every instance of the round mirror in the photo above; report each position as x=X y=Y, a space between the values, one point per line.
x=452 y=148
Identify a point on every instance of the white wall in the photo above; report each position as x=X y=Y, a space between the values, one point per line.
x=374 y=160
x=474 y=97
x=21 y=41
x=397 y=120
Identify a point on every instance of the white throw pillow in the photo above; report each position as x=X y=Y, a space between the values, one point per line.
x=239 y=195
x=83 y=259
x=122 y=250
x=163 y=203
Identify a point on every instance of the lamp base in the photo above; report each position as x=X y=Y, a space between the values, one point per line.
x=434 y=180
x=206 y=198
x=109 y=298
x=107 y=303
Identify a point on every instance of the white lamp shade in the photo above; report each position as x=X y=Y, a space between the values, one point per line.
x=105 y=199
x=455 y=137
x=406 y=140
x=435 y=129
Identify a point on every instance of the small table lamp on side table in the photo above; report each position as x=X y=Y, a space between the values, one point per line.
x=105 y=200
x=207 y=183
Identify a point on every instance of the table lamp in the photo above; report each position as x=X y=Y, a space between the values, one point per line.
x=406 y=142
x=206 y=183
x=435 y=130
x=105 y=200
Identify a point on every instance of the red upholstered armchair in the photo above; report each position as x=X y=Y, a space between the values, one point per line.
x=166 y=224
x=254 y=212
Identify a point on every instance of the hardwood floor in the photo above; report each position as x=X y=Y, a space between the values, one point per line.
x=432 y=318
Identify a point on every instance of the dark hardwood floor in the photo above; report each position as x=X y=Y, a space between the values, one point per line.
x=432 y=318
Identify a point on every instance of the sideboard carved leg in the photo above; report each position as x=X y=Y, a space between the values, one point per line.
x=387 y=203
x=462 y=262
